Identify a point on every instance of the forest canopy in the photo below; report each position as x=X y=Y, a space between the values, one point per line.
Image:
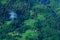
x=29 y=19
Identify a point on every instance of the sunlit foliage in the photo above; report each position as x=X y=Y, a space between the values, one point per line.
x=32 y=20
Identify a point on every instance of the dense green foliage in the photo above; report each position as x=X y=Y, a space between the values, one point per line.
x=36 y=20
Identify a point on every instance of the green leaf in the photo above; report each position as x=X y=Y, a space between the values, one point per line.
x=30 y=22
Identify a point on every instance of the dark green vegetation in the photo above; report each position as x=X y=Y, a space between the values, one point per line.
x=36 y=20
